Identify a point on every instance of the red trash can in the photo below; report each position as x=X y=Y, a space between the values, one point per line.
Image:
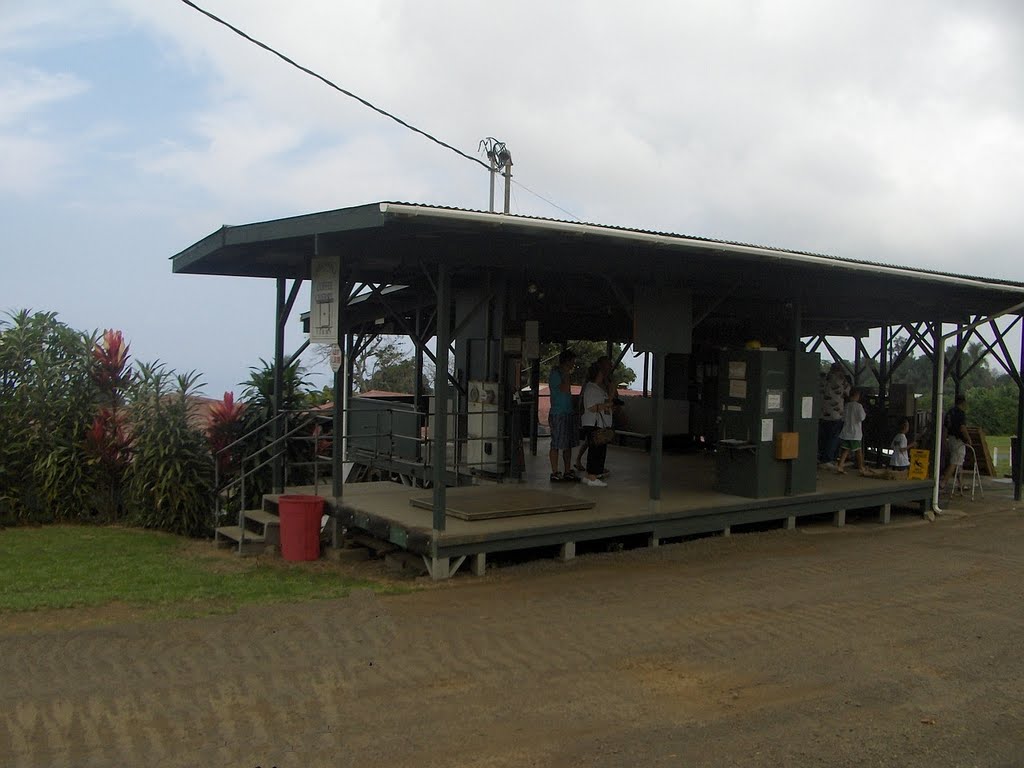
x=300 y=526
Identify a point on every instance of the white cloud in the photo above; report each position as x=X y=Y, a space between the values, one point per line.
x=867 y=129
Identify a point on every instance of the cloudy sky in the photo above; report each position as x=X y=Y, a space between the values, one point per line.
x=129 y=129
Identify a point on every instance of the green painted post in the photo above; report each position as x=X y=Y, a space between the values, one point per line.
x=1020 y=424
x=441 y=387
x=277 y=432
x=658 y=417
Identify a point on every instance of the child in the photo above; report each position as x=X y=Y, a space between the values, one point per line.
x=852 y=435
x=899 y=462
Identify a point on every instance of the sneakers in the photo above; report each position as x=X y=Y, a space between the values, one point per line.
x=595 y=483
x=556 y=477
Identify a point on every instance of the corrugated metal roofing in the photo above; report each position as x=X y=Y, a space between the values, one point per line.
x=713 y=241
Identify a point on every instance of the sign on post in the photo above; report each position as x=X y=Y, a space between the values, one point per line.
x=336 y=357
x=324 y=300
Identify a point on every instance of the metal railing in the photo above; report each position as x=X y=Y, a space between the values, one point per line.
x=293 y=424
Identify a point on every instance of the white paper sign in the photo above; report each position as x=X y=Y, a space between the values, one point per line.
x=773 y=400
x=807 y=408
x=767 y=429
x=737 y=369
x=737 y=388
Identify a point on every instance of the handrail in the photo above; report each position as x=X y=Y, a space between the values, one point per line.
x=265 y=454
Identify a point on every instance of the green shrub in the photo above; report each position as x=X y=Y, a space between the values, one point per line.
x=170 y=479
x=47 y=400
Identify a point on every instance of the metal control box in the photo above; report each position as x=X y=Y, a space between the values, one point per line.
x=760 y=397
x=485 y=439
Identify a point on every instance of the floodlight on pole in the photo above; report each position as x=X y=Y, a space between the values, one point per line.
x=498 y=156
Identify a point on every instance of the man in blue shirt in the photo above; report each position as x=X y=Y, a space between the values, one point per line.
x=562 y=417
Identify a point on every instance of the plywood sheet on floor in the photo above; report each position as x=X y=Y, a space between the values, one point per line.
x=494 y=502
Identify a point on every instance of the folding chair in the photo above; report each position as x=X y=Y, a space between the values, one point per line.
x=975 y=475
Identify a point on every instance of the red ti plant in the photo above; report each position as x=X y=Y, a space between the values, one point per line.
x=108 y=443
x=111 y=371
x=225 y=426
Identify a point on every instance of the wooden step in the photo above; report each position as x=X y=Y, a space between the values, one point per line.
x=234 y=533
x=262 y=517
x=981 y=450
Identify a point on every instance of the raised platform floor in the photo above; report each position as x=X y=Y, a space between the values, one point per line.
x=689 y=505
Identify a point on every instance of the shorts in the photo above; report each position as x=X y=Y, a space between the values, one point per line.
x=850 y=445
x=564 y=431
x=957 y=451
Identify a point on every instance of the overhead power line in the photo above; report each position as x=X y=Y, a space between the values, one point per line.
x=333 y=85
x=541 y=197
x=361 y=100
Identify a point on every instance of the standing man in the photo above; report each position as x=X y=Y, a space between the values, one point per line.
x=562 y=417
x=957 y=439
x=834 y=390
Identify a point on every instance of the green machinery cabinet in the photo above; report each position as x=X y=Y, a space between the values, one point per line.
x=757 y=399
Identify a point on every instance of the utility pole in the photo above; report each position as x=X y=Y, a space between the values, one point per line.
x=498 y=156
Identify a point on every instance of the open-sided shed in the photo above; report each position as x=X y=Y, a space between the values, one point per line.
x=487 y=288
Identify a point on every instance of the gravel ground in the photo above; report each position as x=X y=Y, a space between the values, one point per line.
x=862 y=646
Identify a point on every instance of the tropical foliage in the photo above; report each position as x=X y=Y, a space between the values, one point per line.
x=171 y=476
x=88 y=437
x=48 y=398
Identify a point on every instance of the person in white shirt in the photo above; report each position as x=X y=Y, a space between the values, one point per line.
x=899 y=461
x=853 y=434
x=597 y=414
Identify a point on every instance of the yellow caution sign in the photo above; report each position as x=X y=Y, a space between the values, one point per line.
x=918 y=464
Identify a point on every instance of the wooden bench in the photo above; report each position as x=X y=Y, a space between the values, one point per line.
x=624 y=437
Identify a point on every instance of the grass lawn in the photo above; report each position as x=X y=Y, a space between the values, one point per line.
x=62 y=566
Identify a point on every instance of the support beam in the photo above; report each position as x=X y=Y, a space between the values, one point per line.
x=658 y=437
x=791 y=523
x=478 y=564
x=280 y=317
x=938 y=374
x=839 y=518
x=439 y=452
x=567 y=551
x=1020 y=424
x=885 y=513
x=795 y=398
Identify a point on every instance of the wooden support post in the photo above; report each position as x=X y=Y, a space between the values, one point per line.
x=839 y=519
x=727 y=531
x=567 y=551
x=478 y=565
x=885 y=514
x=791 y=523
x=653 y=540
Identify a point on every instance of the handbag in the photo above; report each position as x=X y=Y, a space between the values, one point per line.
x=602 y=435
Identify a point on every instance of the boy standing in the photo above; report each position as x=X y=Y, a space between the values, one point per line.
x=899 y=462
x=853 y=434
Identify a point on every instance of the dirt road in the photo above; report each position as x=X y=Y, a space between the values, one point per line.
x=864 y=646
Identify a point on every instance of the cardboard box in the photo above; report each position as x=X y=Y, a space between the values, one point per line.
x=787 y=445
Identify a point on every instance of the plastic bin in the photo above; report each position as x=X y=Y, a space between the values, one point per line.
x=300 y=526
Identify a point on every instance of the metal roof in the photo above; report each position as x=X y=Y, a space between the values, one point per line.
x=390 y=242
